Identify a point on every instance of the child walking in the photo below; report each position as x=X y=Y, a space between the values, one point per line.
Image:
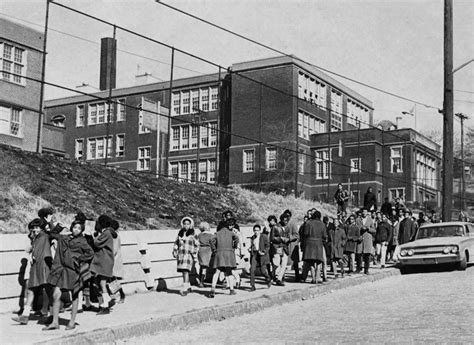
x=205 y=251
x=103 y=261
x=223 y=245
x=185 y=250
x=40 y=260
x=68 y=271
x=117 y=271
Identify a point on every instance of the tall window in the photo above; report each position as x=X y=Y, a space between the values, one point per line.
x=144 y=158
x=185 y=137
x=92 y=114
x=79 y=149
x=176 y=103
x=175 y=138
x=183 y=171
x=173 y=170
x=10 y=121
x=322 y=164
x=271 y=158
x=203 y=171
x=204 y=136
x=214 y=100
x=13 y=63
x=301 y=162
x=194 y=136
x=336 y=111
x=396 y=193
x=101 y=146
x=213 y=133
x=120 y=145
x=195 y=101
x=91 y=148
x=249 y=160
x=205 y=99
x=193 y=170
x=212 y=170
x=185 y=108
x=122 y=110
x=396 y=159
x=80 y=116
x=355 y=165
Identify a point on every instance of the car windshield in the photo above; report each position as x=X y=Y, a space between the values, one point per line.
x=441 y=231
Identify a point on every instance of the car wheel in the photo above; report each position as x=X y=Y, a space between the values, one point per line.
x=462 y=265
x=404 y=270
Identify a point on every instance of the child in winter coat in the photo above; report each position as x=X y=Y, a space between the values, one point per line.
x=117 y=271
x=205 y=251
x=185 y=250
x=40 y=265
x=103 y=261
x=69 y=271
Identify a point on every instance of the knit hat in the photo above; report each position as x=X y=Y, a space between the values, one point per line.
x=75 y=222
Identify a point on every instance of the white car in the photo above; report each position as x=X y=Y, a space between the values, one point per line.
x=439 y=243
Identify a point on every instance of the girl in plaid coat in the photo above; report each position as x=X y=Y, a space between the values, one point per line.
x=185 y=251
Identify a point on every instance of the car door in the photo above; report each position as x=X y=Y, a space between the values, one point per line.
x=470 y=241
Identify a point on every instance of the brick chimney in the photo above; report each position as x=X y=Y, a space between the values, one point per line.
x=108 y=63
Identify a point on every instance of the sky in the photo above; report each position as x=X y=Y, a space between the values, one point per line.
x=393 y=45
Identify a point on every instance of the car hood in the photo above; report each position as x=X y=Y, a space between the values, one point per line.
x=434 y=241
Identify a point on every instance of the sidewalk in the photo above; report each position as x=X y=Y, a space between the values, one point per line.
x=152 y=312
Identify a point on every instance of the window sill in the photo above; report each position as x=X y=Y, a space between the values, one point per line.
x=13 y=83
x=13 y=135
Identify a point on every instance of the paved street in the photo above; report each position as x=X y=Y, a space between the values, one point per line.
x=429 y=307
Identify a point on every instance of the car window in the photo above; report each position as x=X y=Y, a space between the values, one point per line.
x=440 y=231
x=470 y=229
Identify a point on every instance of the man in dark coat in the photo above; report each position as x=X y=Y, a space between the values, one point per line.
x=386 y=207
x=259 y=255
x=370 y=200
x=279 y=239
x=341 y=197
x=407 y=229
x=353 y=235
x=293 y=245
x=383 y=236
x=314 y=236
x=337 y=241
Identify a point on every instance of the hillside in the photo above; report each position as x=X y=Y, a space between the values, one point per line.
x=137 y=200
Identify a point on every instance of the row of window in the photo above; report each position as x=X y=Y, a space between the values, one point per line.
x=309 y=124
x=98 y=113
x=188 y=171
x=357 y=114
x=194 y=100
x=98 y=147
x=13 y=60
x=322 y=162
x=312 y=90
x=185 y=137
x=425 y=170
x=10 y=121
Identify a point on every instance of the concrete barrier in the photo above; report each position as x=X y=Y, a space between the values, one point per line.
x=147 y=258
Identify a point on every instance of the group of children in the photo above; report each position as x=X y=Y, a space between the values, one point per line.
x=71 y=264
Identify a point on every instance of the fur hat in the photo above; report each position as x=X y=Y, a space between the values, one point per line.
x=189 y=219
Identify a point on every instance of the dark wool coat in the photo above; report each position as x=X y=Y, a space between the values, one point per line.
x=384 y=232
x=205 y=251
x=406 y=231
x=70 y=254
x=103 y=261
x=41 y=260
x=294 y=237
x=370 y=201
x=279 y=238
x=366 y=243
x=337 y=241
x=314 y=235
x=353 y=235
x=263 y=246
x=223 y=245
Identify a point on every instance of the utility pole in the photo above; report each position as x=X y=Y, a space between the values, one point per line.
x=462 y=117
x=448 y=110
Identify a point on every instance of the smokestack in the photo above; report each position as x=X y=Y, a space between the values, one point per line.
x=108 y=63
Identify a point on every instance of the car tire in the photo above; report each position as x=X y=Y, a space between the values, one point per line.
x=462 y=265
x=405 y=270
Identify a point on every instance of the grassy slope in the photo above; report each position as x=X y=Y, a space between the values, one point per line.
x=139 y=201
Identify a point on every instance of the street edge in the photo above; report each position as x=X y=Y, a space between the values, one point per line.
x=217 y=313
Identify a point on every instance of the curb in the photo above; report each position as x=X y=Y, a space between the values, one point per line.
x=218 y=313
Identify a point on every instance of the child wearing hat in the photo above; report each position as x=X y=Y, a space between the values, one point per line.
x=185 y=250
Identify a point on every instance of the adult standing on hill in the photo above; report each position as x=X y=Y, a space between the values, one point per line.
x=314 y=236
x=370 y=200
x=341 y=197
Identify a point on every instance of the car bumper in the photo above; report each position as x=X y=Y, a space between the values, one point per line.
x=429 y=259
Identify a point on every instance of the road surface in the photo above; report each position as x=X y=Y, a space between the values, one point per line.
x=422 y=307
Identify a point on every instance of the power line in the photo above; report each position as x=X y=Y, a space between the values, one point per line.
x=294 y=57
x=464 y=91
